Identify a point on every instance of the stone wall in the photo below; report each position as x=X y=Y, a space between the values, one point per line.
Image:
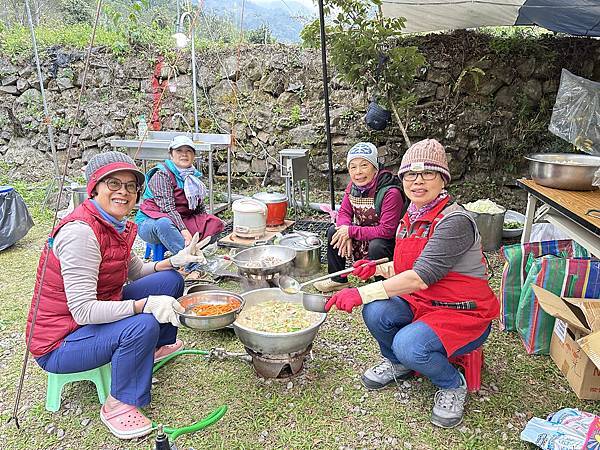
x=488 y=100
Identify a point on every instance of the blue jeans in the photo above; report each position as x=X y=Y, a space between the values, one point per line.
x=413 y=344
x=128 y=343
x=162 y=231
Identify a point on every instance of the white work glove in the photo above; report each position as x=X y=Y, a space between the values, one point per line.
x=192 y=253
x=163 y=308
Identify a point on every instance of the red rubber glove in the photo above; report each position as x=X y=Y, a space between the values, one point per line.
x=364 y=269
x=345 y=300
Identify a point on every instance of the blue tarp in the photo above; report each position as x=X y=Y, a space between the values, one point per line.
x=577 y=17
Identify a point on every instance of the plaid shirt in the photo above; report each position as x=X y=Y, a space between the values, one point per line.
x=160 y=185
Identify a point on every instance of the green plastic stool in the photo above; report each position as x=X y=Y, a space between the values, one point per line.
x=99 y=376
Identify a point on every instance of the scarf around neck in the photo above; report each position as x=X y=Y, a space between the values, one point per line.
x=415 y=213
x=118 y=224
x=189 y=180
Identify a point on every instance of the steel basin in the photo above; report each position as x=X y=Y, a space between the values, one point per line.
x=275 y=343
x=248 y=261
x=208 y=323
x=567 y=171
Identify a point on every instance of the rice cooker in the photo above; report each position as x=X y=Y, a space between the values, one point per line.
x=276 y=207
x=249 y=218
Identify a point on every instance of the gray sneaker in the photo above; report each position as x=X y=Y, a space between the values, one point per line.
x=449 y=406
x=384 y=373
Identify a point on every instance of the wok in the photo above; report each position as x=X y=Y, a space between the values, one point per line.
x=254 y=261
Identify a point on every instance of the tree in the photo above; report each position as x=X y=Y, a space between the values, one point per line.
x=76 y=11
x=260 y=35
x=358 y=38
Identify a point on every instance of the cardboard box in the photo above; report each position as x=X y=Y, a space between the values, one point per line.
x=575 y=345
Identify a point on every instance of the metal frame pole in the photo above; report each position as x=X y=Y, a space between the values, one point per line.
x=326 y=100
x=194 y=87
x=43 y=92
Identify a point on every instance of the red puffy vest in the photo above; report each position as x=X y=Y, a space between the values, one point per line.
x=54 y=320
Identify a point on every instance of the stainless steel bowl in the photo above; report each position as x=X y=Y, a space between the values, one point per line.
x=200 y=287
x=568 y=171
x=251 y=262
x=275 y=343
x=208 y=323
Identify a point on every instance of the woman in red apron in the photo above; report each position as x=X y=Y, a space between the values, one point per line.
x=436 y=301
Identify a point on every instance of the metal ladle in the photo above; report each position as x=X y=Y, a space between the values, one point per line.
x=290 y=285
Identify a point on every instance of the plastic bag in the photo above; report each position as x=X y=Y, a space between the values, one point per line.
x=576 y=112
x=596 y=180
x=15 y=221
x=547 y=232
x=567 y=429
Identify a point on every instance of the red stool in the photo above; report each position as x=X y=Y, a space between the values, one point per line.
x=472 y=363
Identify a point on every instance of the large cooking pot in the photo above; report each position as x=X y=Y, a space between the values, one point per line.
x=256 y=262
x=275 y=343
x=568 y=171
x=276 y=206
x=308 y=257
x=249 y=218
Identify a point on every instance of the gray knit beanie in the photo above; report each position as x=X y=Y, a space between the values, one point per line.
x=106 y=163
x=364 y=150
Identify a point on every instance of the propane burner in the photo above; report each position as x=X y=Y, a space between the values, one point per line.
x=278 y=366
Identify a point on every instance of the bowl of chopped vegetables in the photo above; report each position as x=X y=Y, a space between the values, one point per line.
x=513 y=224
x=209 y=310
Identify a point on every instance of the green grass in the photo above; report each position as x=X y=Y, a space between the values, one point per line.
x=326 y=407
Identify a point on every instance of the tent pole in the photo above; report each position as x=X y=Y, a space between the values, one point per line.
x=47 y=119
x=326 y=99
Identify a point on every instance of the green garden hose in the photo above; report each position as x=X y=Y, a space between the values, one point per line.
x=213 y=417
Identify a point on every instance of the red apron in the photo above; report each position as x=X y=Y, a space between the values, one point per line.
x=454 y=327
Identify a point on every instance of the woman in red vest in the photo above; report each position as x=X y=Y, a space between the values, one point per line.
x=86 y=317
x=436 y=301
x=172 y=208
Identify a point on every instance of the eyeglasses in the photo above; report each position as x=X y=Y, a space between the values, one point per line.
x=426 y=175
x=114 y=185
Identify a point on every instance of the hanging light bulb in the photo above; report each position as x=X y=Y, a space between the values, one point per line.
x=181 y=40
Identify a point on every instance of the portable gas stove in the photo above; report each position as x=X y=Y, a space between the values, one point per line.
x=278 y=366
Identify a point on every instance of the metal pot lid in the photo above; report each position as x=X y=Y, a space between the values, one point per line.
x=249 y=205
x=270 y=197
x=297 y=242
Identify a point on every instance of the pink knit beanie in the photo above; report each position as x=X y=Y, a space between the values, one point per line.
x=427 y=154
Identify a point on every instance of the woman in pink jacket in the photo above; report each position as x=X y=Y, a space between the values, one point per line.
x=371 y=209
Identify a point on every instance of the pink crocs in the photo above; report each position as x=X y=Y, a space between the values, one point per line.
x=162 y=352
x=126 y=422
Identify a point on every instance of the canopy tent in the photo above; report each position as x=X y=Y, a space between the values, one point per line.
x=576 y=17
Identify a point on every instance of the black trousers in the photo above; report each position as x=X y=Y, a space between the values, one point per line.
x=378 y=248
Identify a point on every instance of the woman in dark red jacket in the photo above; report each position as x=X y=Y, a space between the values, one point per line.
x=86 y=317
